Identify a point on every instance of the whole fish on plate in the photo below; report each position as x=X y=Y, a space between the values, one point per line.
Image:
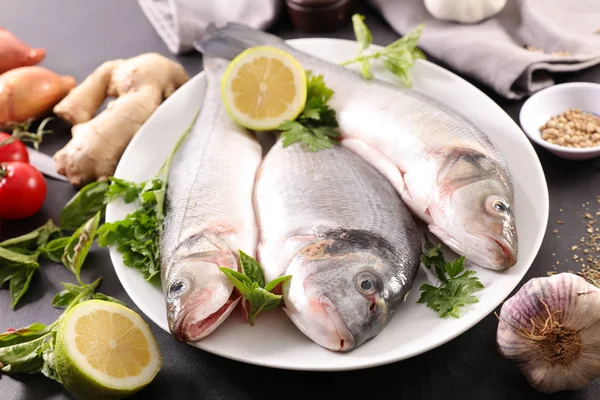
x=335 y=224
x=209 y=216
x=445 y=168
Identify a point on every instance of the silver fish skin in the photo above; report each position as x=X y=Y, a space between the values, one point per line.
x=209 y=216
x=338 y=227
x=445 y=168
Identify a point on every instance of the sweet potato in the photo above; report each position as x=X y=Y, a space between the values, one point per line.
x=14 y=53
x=30 y=92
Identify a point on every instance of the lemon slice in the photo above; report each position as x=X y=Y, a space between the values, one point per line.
x=262 y=87
x=105 y=350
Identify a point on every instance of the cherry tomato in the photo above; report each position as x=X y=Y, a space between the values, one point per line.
x=22 y=190
x=14 y=151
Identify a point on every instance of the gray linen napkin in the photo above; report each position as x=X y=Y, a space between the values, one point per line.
x=493 y=51
x=180 y=22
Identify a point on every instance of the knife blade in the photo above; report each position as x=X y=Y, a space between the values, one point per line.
x=45 y=164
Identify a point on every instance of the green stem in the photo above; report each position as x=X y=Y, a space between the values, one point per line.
x=3 y=171
x=91 y=288
x=360 y=58
x=21 y=132
x=167 y=164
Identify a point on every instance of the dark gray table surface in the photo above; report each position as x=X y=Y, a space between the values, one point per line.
x=78 y=36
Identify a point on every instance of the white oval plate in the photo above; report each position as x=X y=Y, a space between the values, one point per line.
x=274 y=341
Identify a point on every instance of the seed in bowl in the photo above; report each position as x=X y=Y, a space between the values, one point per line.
x=572 y=128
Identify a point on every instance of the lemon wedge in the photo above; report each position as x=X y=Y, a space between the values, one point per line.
x=105 y=350
x=262 y=87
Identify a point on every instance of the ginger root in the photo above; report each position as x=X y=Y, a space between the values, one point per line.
x=140 y=84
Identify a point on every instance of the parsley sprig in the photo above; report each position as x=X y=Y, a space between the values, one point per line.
x=457 y=288
x=399 y=57
x=257 y=296
x=315 y=127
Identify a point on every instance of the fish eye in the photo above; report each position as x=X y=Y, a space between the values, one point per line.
x=176 y=288
x=495 y=206
x=366 y=283
x=500 y=206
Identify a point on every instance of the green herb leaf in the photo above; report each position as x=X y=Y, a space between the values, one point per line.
x=84 y=205
x=103 y=297
x=24 y=334
x=457 y=288
x=260 y=300
x=398 y=57
x=79 y=245
x=239 y=280
x=18 y=352
x=66 y=297
x=19 y=284
x=49 y=367
x=250 y=283
x=136 y=237
x=28 y=364
x=129 y=191
x=273 y=284
x=34 y=239
x=362 y=33
x=252 y=269
x=365 y=69
x=55 y=249
x=315 y=127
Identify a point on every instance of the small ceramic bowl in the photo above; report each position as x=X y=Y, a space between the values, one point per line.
x=554 y=100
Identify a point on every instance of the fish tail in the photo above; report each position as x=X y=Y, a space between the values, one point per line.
x=231 y=39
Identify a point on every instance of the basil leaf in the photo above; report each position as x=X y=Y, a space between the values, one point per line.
x=362 y=33
x=19 y=352
x=239 y=280
x=260 y=301
x=101 y=296
x=84 y=205
x=19 y=284
x=79 y=245
x=252 y=269
x=63 y=299
x=8 y=257
x=24 y=334
x=29 y=364
x=49 y=367
x=271 y=285
x=33 y=239
x=55 y=249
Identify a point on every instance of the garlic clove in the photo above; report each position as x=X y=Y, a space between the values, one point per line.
x=551 y=328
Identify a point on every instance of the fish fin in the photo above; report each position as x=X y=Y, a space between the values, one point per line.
x=463 y=166
x=231 y=39
x=378 y=160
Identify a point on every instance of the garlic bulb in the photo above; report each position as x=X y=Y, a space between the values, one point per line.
x=551 y=327
x=464 y=11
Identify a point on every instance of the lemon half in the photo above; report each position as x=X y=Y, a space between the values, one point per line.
x=262 y=87
x=105 y=351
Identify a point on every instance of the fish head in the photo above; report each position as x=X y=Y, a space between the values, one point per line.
x=199 y=296
x=340 y=299
x=477 y=220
